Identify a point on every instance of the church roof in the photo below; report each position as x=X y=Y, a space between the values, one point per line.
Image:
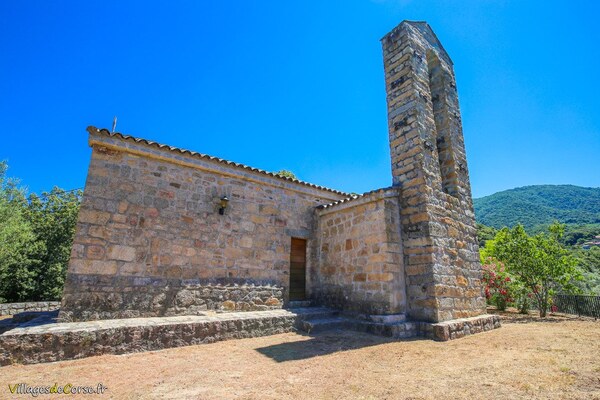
x=354 y=197
x=105 y=132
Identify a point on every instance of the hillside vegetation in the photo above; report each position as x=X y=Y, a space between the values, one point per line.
x=539 y=205
x=536 y=208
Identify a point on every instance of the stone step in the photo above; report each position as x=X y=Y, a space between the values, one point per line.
x=324 y=324
x=396 y=330
x=388 y=319
x=306 y=313
x=299 y=304
x=319 y=319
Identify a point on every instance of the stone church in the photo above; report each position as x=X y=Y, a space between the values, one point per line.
x=167 y=231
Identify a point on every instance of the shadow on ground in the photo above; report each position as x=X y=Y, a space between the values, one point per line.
x=28 y=319
x=320 y=344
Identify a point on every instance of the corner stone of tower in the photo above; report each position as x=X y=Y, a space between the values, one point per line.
x=424 y=30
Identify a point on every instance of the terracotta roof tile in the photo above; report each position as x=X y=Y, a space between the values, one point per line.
x=352 y=198
x=105 y=132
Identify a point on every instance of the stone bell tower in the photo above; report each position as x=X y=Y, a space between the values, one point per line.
x=441 y=259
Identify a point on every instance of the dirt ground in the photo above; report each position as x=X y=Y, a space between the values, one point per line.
x=558 y=358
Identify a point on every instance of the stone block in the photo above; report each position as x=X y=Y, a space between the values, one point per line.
x=95 y=252
x=122 y=253
x=93 y=217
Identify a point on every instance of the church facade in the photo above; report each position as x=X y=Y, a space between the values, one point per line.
x=166 y=231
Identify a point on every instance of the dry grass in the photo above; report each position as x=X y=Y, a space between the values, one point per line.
x=527 y=358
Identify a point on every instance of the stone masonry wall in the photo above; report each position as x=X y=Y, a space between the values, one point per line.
x=429 y=164
x=359 y=252
x=68 y=341
x=150 y=240
x=32 y=306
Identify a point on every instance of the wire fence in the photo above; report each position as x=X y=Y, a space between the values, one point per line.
x=578 y=305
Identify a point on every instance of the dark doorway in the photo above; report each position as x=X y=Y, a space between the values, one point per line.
x=298 y=270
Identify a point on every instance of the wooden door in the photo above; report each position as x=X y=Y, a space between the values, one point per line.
x=298 y=270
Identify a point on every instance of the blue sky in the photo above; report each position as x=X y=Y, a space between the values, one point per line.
x=296 y=85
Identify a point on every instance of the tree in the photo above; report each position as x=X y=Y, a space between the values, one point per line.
x=539 y=262
x=589 y=263
x=53 y=217
x=17 y=242
x=578 y=234
x=485 y=233
x=286 y=174
x=35 y=240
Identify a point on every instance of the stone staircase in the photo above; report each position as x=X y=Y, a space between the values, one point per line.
x=312 y=319
x=320 y=319
x=299 y=304
x=395 y=326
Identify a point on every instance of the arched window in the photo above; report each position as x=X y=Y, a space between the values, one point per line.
x=437 y=87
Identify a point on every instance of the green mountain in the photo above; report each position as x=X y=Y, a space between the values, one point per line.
x=539 y=205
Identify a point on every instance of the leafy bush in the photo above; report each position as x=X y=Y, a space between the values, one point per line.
x=286 y=174
x=498 y=284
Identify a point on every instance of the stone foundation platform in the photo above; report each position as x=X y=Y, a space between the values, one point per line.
x=396 y=327
x=458 y=328
x=44 y=340
x=31 y=343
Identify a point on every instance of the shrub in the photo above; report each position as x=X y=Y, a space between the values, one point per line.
x=498 y=284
